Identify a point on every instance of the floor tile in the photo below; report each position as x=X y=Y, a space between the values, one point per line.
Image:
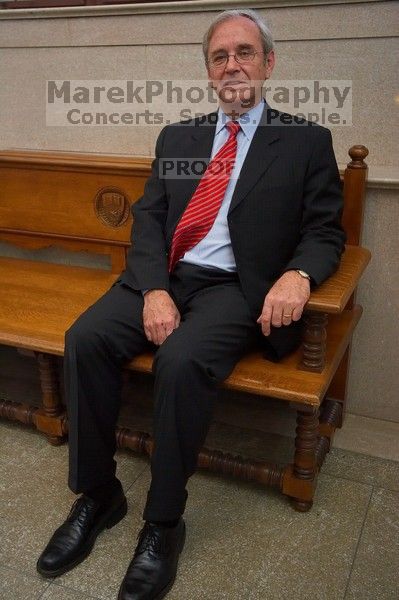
x=31 y=509
x=374 y=471
x=375 y=573
x=20 y=444
x=57 y=592
x=17 y=586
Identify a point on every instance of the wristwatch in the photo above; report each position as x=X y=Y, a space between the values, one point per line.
x=303 y=274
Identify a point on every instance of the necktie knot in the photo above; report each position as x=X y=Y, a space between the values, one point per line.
x=233 y=127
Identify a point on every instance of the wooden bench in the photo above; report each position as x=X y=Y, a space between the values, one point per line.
x=80 y=202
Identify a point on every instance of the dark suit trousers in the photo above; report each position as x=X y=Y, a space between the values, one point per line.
x=216 y=329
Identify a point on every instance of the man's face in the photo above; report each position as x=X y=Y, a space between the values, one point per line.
x=238 y=85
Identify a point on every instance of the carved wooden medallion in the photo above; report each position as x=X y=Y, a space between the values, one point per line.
x=112 y=206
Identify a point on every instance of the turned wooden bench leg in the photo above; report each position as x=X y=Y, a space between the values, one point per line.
x=299 y=480
x=314 y=341
x=305 y=464
x=50 y=418
x=330 y=419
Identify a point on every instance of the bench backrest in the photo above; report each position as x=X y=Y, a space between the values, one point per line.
x=81 y=201
x=72 y=200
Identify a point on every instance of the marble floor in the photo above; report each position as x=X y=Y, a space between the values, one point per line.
x=243 y=542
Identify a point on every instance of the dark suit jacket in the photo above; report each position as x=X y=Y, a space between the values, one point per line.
x=284 y=214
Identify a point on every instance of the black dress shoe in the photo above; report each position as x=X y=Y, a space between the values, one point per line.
x=152 y=571
x=73 y=541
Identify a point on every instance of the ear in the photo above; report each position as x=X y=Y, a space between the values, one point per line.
x=270 y=62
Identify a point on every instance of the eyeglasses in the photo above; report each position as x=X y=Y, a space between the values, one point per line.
x=241 y=57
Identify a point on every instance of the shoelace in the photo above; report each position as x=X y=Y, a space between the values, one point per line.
x=80 y=513
x=81 y=509
x=150 y=539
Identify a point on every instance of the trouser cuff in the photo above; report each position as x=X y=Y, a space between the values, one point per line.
x=165 y=511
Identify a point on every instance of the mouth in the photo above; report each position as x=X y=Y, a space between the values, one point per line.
x=234 y=82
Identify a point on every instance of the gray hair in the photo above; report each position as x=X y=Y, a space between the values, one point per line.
x=264 y=31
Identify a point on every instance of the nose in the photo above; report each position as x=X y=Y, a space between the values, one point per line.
x=232 y=65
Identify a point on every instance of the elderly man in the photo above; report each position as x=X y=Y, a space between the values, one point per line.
x=218 y=263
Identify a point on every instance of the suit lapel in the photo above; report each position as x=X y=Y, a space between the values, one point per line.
x=261 y=154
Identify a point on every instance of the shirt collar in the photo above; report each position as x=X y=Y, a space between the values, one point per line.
x=248 y=121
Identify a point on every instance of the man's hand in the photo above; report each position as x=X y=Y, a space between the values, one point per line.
x=160 y=316
x=285 y=301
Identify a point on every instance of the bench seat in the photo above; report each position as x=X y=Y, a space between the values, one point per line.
x=39 y=301
x=31 y=294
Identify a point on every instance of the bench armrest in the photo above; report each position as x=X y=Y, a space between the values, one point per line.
x=333 y=295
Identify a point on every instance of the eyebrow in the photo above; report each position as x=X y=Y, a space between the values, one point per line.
x=239 y=47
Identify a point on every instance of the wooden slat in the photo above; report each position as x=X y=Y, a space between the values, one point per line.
x=78 y=161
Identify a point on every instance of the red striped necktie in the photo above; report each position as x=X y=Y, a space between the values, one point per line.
x=201 y=211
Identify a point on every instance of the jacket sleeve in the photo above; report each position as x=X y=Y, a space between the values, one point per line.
x=147 y=265
x=322 y=238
